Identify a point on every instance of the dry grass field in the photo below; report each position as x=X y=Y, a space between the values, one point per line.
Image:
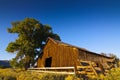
x=18 y=74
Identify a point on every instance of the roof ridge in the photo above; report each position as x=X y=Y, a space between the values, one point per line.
x=60 y=42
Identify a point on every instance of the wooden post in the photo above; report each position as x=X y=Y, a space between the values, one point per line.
x=93 y=69
x=75 y=69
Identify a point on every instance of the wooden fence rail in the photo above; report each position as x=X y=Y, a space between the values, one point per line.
x=56 y=70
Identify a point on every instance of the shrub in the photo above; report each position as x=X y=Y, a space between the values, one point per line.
x=9 y=78
x=72 y=77
x=113 y=74
x=1 y=78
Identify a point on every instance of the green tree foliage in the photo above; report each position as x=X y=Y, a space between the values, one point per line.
x=32 y=36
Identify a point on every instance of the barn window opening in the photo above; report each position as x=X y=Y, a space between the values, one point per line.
x=84 y=63
x=48 y=62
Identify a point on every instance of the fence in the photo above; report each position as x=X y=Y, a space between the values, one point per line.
x=56 y=70
x=87 y=68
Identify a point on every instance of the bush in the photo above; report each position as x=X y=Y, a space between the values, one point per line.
x=9 y=78
x=71 y=77
x=1 y=78
x=113 y=74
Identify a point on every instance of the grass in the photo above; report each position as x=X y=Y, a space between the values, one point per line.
x=18 y=74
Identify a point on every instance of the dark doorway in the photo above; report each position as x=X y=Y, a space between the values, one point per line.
x=48 y=62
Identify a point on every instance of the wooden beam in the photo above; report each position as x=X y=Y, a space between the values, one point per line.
x=51 y=68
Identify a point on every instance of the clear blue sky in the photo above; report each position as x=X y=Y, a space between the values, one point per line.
x=91 y=24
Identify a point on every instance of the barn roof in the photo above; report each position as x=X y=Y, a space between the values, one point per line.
x=69 y=45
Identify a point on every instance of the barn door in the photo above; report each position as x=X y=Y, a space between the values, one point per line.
x=48 y=62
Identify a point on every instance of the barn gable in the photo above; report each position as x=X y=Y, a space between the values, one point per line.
x=60 y=54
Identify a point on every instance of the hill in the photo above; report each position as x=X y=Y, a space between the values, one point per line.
x=4 y=63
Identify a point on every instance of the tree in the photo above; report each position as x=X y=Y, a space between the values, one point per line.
x=32 y=36
x=104 y=54
x=117 y=60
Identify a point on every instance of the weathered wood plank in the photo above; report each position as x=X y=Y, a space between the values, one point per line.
x=52 y=68
x=55 y=72
x=78 y=67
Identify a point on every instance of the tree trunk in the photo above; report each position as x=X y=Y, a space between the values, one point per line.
x=27 y=65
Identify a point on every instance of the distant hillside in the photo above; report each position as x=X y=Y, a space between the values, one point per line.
x=4 y=63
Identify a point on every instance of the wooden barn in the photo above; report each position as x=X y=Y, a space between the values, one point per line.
x=60 y=54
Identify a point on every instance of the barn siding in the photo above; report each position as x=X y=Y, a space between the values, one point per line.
x=67 y=56
x=88 y=56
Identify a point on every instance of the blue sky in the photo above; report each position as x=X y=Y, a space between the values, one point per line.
x=90 y=24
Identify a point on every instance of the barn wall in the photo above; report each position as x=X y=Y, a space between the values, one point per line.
x=88 y=56
x=67 y=55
